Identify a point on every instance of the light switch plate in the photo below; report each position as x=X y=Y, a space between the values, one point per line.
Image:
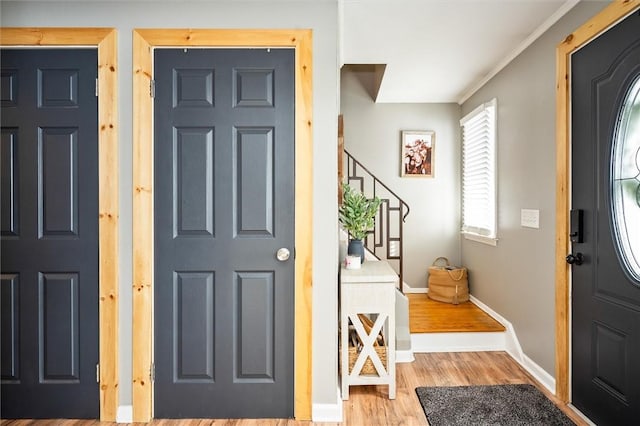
x=530 y=218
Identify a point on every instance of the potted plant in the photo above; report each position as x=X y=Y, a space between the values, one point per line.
x=357 y=214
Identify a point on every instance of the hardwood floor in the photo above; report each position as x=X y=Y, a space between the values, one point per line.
x=369 y=405
x=429 y=316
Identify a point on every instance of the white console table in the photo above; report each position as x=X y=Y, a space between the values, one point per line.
x=370 y=291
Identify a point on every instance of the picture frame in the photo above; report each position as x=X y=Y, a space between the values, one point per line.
x=417 y=153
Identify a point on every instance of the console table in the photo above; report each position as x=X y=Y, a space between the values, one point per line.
x=369 y=290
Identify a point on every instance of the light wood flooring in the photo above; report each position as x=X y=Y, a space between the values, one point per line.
x=429 y=316
x=369 y=405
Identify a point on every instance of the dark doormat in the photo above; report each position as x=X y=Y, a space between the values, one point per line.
x=489 y=405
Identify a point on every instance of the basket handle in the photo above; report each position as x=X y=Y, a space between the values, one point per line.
x=459 y=276
x=440 y=258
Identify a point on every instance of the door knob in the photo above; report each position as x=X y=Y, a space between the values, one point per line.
x=282 y=254
x=575 y=259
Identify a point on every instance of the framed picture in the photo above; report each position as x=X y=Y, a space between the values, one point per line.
x=417 y=153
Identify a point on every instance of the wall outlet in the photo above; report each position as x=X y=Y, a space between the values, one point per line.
x=530 y=218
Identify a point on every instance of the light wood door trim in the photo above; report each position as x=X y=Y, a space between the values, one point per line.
x=105 y=39
x=583 y=35
x=144 y=41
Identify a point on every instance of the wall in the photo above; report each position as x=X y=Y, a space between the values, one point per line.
x=516 y=278
x=321 y=17
x=372 y=136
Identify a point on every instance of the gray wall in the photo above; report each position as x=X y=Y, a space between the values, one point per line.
x=322 y=18
x=372 y=136
x=516 y=278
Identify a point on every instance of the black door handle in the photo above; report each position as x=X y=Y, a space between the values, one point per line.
x=575 y=259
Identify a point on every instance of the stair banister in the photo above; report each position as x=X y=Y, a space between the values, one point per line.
x=383 y=236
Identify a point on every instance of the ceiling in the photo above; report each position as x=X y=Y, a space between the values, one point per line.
x=434 y=50
x=440 y=50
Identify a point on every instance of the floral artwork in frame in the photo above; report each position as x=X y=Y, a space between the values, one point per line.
x=417 y=158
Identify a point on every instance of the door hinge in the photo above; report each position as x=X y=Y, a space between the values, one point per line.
x=152 y=88
x=97 y=82
x=97 y=373
x=152 y=373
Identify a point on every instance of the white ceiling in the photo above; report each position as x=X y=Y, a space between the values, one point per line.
x=441 y=50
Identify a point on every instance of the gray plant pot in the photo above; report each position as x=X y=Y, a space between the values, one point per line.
x=356 y=248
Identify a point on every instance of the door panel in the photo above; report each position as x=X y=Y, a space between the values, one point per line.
x=10 y=305
x=254 y=183
x=49 y=234
x=194 y=182
x=605 y=299
x=58 y=182
x=224 y=205
x=193 y=327
x=59 y=341
x=9 y=215
x=255 y=348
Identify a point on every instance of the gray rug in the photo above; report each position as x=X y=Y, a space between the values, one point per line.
x=508 y=405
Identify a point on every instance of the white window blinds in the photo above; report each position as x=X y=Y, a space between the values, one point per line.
x=479 y=172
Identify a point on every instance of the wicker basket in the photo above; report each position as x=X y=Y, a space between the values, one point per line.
x=368 y=367
x=448 y=284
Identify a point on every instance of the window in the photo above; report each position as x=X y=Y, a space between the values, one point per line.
x=479 y=174
x=625 y=182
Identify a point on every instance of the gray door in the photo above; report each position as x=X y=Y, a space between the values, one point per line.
x=606 y=252
x=224 y=206
x=49 y=217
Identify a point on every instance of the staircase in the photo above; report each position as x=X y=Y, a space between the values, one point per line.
x=385 y=242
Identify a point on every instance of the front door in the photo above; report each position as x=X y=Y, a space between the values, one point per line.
x=606 y=248
x=49 y=217
x=224 y=233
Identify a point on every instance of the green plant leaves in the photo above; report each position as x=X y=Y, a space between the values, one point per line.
x=357 y=212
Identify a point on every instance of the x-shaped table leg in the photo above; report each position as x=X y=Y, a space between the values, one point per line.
x=368 y=340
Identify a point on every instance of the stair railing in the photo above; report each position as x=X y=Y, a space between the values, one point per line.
x=385 y=241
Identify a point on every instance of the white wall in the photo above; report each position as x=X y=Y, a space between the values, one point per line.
x=516 y=278
x=372 y=136
x=322 y=18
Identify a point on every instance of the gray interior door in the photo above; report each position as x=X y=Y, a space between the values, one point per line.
x=49 y=234
x=224 y=206
x=605 y=187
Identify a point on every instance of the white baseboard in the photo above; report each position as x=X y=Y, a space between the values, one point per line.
x=404 y=356
x=513 y=348
x=582 y=416
x=512 y=344
x=407 y=289
x=329 y=413
x=124 y=414
x=545 y=379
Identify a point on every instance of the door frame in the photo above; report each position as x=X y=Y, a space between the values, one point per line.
x=608 y=17
x=105 y=39
x=144 y=42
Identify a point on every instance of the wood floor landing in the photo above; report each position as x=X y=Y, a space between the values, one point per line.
x=429 y=316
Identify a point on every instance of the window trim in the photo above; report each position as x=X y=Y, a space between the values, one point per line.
x=469 y=234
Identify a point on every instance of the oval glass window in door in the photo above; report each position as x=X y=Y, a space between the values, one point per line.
x=625 y=182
